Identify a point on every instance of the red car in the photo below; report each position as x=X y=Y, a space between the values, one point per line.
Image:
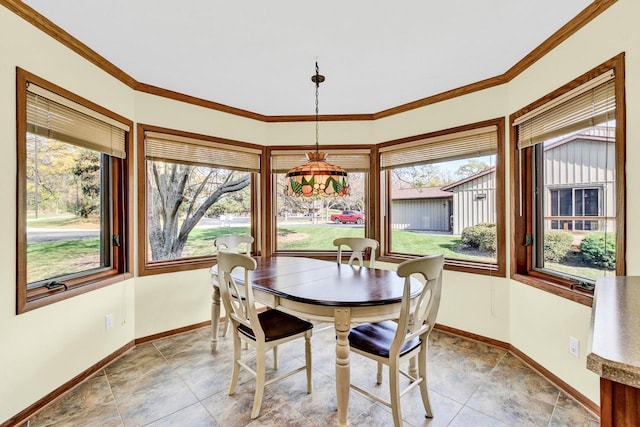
x=348 y=216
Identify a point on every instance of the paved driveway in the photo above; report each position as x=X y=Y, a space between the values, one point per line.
x=40 y=235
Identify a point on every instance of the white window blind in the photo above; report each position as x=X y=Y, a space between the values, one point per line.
x=53 y=116
x=459 y=145
x=588 y=105
x=352 y=160
x=200 y=152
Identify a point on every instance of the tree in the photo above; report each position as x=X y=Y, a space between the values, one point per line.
x=288 y=205
x=428 y=175
x=237 y=203
x=49 y=170
x=87 y=172
x=355 y=198
x=472 y=167
x=179 y=196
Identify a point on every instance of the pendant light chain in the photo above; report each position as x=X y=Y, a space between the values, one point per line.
x=317 y=81
x=317 y=177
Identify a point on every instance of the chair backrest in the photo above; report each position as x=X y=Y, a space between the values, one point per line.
x=240 y=306
x=358 y=245
x=240 y=243
x=420 y=319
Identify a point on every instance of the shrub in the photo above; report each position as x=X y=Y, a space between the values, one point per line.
x=480 y=236
x=599 y=250
x=557 y=245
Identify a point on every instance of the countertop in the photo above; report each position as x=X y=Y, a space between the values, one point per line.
x=615 y=330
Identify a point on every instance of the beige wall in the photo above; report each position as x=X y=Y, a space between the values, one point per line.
x=330 y=133
x=159 y=111
x=47 y=347
x=476 y=304
x=472 y=108
x=541 y=324
x=169 y=301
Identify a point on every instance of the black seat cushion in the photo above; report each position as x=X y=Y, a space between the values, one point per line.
x=376 y=338
x=277 y=324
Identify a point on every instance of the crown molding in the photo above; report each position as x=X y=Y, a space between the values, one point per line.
x=48 y=27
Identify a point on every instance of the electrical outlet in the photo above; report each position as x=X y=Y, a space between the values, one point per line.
x=108 y=321
x=574 y=346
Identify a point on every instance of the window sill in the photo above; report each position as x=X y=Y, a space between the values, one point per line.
x=171 y=266
x=324 y=255
x=41 y=297
x=575 y=295
x=483 y=268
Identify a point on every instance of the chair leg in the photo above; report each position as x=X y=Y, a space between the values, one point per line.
x=225 y=331
x=226 y=327
x=307 y=359
x=394 y=386
x=413 y=367
x=236 y=366
x=260 y=380
x=379 y=375
x=424 y=390
x=275 y=357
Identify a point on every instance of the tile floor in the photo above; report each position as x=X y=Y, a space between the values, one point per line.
x=179 y=381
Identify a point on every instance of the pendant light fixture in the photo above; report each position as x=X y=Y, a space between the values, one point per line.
x=317 y=177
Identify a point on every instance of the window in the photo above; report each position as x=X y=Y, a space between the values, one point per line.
x=311 y=224
x=568 y=163
x=574 y=202
x=441 y=195
x=193 y=189
x=72 y=234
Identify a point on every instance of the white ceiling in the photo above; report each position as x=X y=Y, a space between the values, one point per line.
x=259 y=55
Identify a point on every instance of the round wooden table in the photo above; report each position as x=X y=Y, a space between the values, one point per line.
x=325 y=291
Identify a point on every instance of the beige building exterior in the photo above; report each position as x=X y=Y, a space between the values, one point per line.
x=579 y=182
x=579 y=185
x=448 y=209
x=473 y=201
x=424 y=209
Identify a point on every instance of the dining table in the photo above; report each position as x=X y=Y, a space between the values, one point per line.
x=326 y=291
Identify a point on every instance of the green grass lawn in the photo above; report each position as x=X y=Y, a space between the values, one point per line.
x=200 y=240
x=573 y=265
x=408 y=242
x=51 y=259
x=411 y=242
x=307 y=237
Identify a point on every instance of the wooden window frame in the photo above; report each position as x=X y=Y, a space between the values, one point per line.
x=147 y=267
x=383 y=230
x=522 y=176
x=121 y=214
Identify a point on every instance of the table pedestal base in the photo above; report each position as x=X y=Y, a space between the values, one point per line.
x=343 y=373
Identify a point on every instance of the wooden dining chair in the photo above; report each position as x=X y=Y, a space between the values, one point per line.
x=264 y=331
x=358 y=246
x=390 y=343
x=240 y=243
